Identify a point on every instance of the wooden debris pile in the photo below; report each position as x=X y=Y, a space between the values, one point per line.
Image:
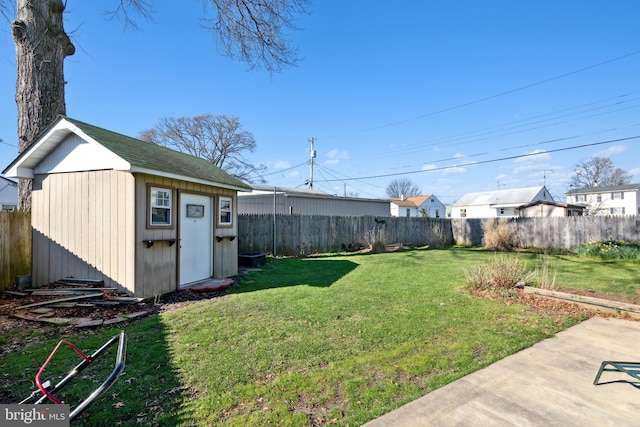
x=78 y=302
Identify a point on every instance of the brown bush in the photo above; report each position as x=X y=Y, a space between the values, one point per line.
x=501 y=272
x=498 y=235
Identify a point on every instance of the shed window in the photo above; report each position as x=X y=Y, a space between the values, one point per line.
x=225 y=211
x=463 y=213
x=160 y=205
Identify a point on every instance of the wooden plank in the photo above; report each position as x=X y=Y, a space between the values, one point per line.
x=46 y=292
x=36 y=304
x=80 y=282
x=78 y=289
x=42 y=310
x=125 y=300
x=608 y=306
x=54 y=320
x=16 y=293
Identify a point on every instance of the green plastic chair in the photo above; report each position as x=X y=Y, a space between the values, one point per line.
x=630 y=368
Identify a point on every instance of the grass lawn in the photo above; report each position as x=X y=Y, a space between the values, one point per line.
x=333 y=340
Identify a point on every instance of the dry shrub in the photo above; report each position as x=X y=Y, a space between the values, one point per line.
x=376 y=241
x=498 y=235
x=499 y=273
x=545 y=275
x=378 y=247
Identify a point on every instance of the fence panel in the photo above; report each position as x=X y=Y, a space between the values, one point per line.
x=15 y=246
x=305 y=234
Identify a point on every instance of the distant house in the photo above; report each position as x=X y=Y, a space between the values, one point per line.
x=140 y=217
x=265 y=199
x=8 y=194
x=546 y=208
x=418 y=206
x=618 y=200
x=497 y=204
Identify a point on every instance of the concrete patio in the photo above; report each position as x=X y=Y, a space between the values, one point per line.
x=549 y=384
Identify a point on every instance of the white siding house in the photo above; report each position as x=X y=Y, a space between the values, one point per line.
x=618 y=200
x=8 y=194
x=418 y=206
x=497 y=204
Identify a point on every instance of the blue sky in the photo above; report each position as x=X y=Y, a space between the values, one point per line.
x=457 y=96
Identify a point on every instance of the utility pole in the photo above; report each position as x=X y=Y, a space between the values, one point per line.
x=311 y=157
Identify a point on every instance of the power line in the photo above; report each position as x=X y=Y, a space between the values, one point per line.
x=487 y=98
x=593 y=144
x=486 y=133
x=284 y=170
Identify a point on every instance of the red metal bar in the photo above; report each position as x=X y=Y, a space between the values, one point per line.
x=41 y=370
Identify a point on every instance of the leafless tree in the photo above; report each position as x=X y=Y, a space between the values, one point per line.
x=251 y=30
x=402 y=187
x=218 y=138
x=598 y=172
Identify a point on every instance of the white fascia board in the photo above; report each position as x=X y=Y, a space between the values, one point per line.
x=18 y=172
x=507 y=205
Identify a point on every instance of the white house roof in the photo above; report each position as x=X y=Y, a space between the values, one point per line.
x=590 y=190
x=306 y=192
x=6 y=181
x=261 y=190
x=500 y=198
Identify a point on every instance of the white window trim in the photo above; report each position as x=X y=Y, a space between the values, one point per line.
x=152 y=205
x=222 y=208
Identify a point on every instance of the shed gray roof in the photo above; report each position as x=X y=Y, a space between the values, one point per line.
x=142 y=156
x=514 y=196
x=8 y=181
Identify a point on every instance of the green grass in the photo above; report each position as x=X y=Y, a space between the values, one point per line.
x=329 y=340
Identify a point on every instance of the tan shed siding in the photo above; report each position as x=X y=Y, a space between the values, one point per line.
x=225 y=252
x=38 y=255
x=156 y=267
x=74 y=227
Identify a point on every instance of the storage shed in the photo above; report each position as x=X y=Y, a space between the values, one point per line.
x=141 y=217
x=264 y=199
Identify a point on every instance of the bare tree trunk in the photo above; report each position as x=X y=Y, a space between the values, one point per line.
x=41 y=47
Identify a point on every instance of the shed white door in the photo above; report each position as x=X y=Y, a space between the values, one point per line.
x=196 y=238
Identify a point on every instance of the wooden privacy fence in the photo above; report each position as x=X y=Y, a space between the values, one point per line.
x=305 y=234
x=15 y=246
x=553 y=232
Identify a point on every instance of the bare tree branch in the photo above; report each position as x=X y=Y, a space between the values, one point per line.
x=402 y=187
x=598 y=171
x=128 y=10
x=219 y=139
x=254 y=31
